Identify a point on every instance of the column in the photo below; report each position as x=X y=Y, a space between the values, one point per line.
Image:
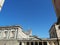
x=38 y=42
x=48 y=43
x=22 y=43
x=29 y=43
x=1 y=34
x=8 y=34
x=25 y=43
x=16 y=34
x=42 y=42
x=52 y=43
x=33 y=43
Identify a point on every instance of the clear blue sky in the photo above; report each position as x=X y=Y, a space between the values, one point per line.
x=38 y=15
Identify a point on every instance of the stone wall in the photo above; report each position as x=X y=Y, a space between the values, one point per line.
x=10 y=42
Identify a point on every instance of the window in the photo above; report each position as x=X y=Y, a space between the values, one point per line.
x=6 y=33
x=31 y=43
x=40 y=43
x=45 y=43
x=0 y=34
x=59 y=27
x=27 y=43
x=12 y=34
x=36 y=43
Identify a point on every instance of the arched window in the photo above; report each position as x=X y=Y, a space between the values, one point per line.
x=12 y=34
x=5 y=34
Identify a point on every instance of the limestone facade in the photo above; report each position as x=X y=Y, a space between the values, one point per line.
x=14 y=35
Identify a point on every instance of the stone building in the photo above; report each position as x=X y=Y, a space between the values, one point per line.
x=14 y=35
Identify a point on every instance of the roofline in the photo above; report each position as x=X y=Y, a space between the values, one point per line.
x=50 y=39
x=37 y=37
x=52 y=26
x=13 y=26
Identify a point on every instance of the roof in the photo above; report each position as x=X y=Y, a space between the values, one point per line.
x=9 y=27
x=52 y=26
x=35 y=38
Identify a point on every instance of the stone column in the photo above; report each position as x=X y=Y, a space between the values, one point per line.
x=53 y=43
x=15 y=33
x=48 y=43
x=59 y=42
x=25 y=43
x=1 y=34
x=38 y=42
x=9 y=34
x=29 y=43
x=22 y=43
x=42 y=42
x=33 y=43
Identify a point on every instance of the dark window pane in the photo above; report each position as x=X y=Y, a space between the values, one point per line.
x=20 y=43
x=36 y=43
x=59 y=27
x=45 y=43
x=40 y=43
x=31 y=43
x=27 y=43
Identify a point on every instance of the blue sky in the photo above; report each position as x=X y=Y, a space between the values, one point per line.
x=37 y=15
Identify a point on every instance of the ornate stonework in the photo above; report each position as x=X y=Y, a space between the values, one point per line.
x=14 y=35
